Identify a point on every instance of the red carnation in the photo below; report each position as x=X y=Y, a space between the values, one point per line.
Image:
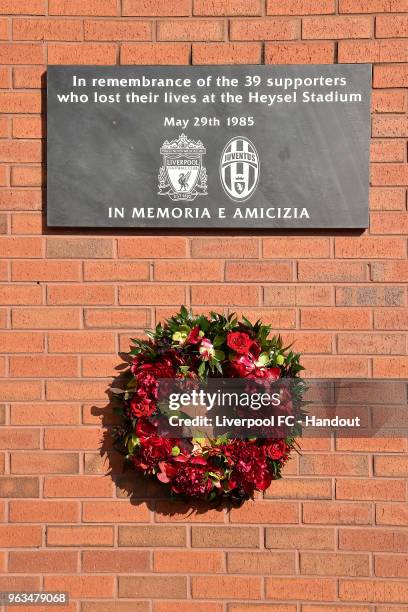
x=239 y=342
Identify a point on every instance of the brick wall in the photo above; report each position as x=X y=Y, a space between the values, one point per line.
x=333 y=534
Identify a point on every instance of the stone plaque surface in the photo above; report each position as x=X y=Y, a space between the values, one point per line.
x=208 y=147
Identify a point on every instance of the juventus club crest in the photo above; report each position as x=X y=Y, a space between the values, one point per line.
x=182 y=177
x=239 y=169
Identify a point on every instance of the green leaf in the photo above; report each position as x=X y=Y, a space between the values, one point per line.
x=201 y=369
x=218 y=340
x=219 y=355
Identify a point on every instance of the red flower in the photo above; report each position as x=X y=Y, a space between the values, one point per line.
x=241 y=366
x=239 y=342
x=194 y=336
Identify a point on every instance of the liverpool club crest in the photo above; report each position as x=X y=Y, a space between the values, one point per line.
x=182 y=175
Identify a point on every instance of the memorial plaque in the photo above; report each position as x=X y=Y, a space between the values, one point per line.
x=208 y=147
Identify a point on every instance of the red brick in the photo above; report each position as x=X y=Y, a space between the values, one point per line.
x=227 y=53
x=387 y=151
x=118 y=270
x=20 y=536
x=47 y=29
x=116 y=30
x=335 y=367
x=81 y=342
x=155 y=587
x=27 y=270
x=390 y=75
x=373 y=591
x=388 y=101
x=391 y=466
x=300 y=7
x=152 y=536
x=20 y=294
x=84 y=53
x=29 y=7
x=245 y=248
x=81 y=587
x=43 y=561
x=370 y=247
x=22 y=199
x=395 y=319
x=261 y=562
x=365 y=344
x=336 y=513
x=89 y=248
x=299 y=53
x=332 y=271
x=263 y=512
x=337 y=27
x=247 y=607
x=370 y=445
x=389 y=271
x=17 y=342
x=264 y=29
x=188 y=271
x=47 y=463
x=234 y=295
x=188 y=561
x=309 y=589
x=46 y=366
x=16 y=390
x=115 y=561
x=300 y=538
x=296 y=247
x=370 y=6
x=151 y=294
x=226 y=587
x=389 y=223
x=45 y=318
x=26 y=223
x=190 y=30
x=392 y=514
x=21 y=53
x=339 y=318
x=99 y=8
x=156 y=8
x=146 y=248
x=15 y=151
x=80 y=536
x=334 y=465
x=77 y=486
x=42 y=511
x=120 y=511
x=391 y=26
x=19 y=439
x=121 y=606
x=391 y=566
x=373 y=51
x=297 y=295
x=269 y=271
x=366 y=489
x=334 y=564
x=155 y=53
x=16 y=486
x=27 y=176
x=300 y=488
x=70 y=438
x=80 y=295
x=172 y=511
x=390 y=126
x=116 y=318
x=75 y=390
x=29 y=127
x=225 y=537
x=29 y=77
x=396 y=367
x=223 y=8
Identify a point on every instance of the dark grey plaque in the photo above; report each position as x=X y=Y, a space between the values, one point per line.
x=209 y=147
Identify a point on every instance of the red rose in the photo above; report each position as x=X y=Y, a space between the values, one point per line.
x=194 y=336
x=239 y=342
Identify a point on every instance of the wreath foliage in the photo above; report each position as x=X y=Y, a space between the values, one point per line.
x=198 y=347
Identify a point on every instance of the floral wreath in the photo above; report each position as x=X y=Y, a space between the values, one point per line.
x=190 y=347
